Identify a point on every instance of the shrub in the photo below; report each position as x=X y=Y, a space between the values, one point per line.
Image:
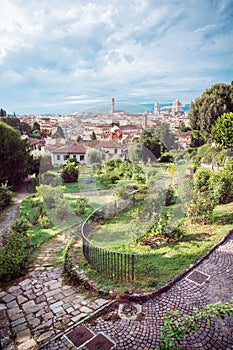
x=6 y=196
x=166 y=158
x=20 y=225
x=170 y=196
x=201 y=179
x=45 y=221
x=14 y=253
x=63 y=209
x=50 y=194
x=201 y=207
x=70 y=172
x=222 y=185
x=80 y=206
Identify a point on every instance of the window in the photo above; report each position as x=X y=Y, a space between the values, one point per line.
x=81 y=158
x=58 y=156
x=115 y=150
x=74 y=155
x=66 y=157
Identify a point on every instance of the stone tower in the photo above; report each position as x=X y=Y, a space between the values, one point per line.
x=113 y=105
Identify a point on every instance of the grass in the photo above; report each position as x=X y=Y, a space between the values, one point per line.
x=157 y=265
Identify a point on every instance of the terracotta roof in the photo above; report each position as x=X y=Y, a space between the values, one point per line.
x=108 y=144
x=71 y=148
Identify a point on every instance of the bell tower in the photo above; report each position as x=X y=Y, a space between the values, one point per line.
x=113 y=105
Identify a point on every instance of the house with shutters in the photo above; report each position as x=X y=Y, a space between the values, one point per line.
x=61 y=154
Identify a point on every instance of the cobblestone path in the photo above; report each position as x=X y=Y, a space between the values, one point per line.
x=42 y=304
x=184 y=296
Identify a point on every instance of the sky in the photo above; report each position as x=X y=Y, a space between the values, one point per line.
x=68 y=55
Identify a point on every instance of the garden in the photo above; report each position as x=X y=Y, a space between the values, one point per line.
x=165 y=227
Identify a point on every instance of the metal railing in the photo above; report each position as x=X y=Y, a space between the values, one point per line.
x=111 y=264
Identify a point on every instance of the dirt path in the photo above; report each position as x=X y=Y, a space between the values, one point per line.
x=9 y=214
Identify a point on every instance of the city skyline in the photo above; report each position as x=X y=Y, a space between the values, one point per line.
x=69 y=56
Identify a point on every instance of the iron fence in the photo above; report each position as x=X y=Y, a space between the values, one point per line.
x=111 y=264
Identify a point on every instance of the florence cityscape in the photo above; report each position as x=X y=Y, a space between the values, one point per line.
x=116 y=175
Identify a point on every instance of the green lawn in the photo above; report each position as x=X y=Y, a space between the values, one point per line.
x=157 y=265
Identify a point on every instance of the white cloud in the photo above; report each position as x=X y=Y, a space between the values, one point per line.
x=60 y=53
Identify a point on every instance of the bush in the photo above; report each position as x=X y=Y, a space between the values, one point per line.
x=14 y=253
x=45 y=221
x=63 y=209
x=166 y=158
x=80 y=206
x=201 y=179
x=50 y=194
x=201 y=207
x=222 y=185
x=6 y=196
x=170 y=196
x=70 y=172
x=20 y=225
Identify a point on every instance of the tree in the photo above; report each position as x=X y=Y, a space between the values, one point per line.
x=12 y=121
x=166 y=136
x=93 y=156
x=59 y=133
x=79 y=138
x=222 y=130
x=25 y=128
x=150 y=140
x=93 y=136
x=214 y=101
x=14 y=155
x=2 y=112
x=70 y=172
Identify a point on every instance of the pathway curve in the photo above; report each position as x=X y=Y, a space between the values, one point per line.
x=41 y=304
x=40 y=307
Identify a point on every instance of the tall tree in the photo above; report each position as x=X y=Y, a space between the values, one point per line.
x=167 y=137
x=2 y=113
x=12 y=121
x=210 y=105
x=150 y=141
x=222 y=130
x=14 y=155
x=93 y=136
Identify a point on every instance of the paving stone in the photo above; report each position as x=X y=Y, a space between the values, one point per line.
x=21 y=299
x=45 y=336
x=8 y=298
x=85 y=309
x=12 y=304
x=25 y=282
x=52 y=293
x=23 y=336
x=101 y=302
x=78 y=317
x=2 y=307
x=28 y=344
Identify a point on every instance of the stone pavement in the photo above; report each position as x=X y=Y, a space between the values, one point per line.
x=143 y=334
x=40 y=308
x=42 y=304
